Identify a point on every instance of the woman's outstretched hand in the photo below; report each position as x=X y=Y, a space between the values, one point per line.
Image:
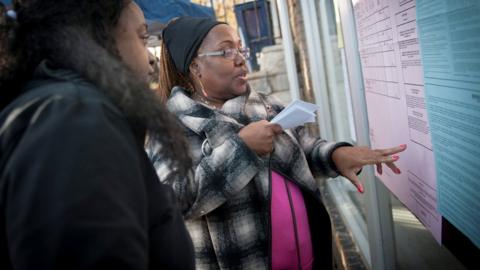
x=350 y=160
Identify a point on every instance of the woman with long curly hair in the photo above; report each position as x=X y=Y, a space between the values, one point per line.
x=77 y=190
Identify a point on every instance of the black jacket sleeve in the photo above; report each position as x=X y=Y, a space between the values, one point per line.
x=76 y=194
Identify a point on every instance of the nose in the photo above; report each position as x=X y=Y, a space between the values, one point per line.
x=239 y=59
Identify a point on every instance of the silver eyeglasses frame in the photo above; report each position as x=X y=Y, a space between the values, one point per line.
x=229 y=53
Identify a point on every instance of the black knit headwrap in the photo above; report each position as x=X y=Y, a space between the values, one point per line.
x=183 y=38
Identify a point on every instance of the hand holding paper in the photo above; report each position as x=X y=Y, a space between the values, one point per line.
x=296 y=114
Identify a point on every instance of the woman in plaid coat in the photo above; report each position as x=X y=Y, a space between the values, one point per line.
x=251 y=201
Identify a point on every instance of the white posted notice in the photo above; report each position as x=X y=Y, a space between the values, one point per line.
x=393 y=77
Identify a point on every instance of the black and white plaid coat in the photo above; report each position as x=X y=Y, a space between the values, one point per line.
x=226 y=202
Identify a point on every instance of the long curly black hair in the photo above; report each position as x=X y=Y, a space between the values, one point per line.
x=78 y=35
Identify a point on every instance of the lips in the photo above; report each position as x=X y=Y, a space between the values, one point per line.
x=242 y=75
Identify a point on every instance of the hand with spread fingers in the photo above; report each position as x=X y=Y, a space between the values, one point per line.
x=350 y=160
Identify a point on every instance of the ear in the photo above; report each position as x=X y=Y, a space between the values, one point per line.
x=195 y=68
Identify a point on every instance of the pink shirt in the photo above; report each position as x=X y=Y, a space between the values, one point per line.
x=284 y=243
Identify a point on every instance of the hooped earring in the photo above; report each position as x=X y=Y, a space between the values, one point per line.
x=202 y=88
x=200 y=84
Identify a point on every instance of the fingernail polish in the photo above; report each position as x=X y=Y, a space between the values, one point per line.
x=360 y=188
x=395 y=157
x=398 y=171
x=403 y=146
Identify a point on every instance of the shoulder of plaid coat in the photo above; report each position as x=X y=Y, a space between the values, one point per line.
x=226 y=199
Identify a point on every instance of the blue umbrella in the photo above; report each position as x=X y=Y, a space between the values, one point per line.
x=164 y=10
x=6 y=2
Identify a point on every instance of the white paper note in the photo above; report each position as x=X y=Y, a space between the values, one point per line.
x=297 y=113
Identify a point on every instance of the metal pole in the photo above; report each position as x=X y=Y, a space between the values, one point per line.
x=276 y=28
x=339 y=132
x=317 y=67
x=381 y=238
x=288 y=49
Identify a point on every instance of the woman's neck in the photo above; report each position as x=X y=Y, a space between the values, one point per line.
x=207 y=100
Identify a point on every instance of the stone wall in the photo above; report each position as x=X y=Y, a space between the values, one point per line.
x=272 y=78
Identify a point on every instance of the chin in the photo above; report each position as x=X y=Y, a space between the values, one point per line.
x=240 y=89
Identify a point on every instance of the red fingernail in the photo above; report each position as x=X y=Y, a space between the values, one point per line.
x=403 y=146
x=360 y=188
x=398 y=171
x=395 y=157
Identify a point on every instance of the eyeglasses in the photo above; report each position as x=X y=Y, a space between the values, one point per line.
x=229 y=54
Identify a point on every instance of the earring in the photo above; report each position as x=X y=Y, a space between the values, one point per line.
x=202 y=89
